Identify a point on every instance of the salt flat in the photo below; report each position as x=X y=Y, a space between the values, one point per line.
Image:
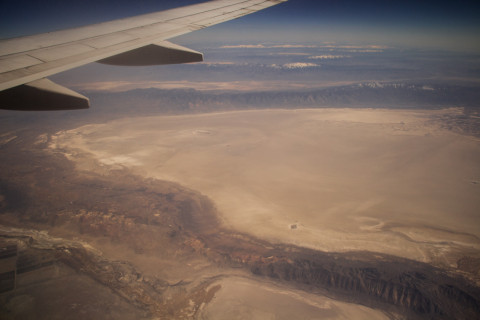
x=390 y=181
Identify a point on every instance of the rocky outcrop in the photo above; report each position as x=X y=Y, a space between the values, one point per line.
x=414 y=289
x=407 y=287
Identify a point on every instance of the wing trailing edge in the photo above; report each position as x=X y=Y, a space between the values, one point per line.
x=163 y=52
x=42 y=94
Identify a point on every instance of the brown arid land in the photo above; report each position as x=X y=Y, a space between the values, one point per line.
x=336 y=180
x=328 y=212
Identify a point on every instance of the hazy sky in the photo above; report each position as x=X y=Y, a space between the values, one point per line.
x=453 y=25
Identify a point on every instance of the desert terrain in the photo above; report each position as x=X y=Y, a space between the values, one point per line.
x=336 y=180
x=243 y=298
x=338 y=213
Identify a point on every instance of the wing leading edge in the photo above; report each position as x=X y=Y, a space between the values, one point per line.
x=26 y=62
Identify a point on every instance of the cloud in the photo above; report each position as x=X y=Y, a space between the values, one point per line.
x=351 y=48
x=292 y=46
x=295 y=65
x=245 y=85
x=218 y=63
x=360 y=50
x=428 y=88
x=262 y=46
x=243 y=46
x=289 y=54
x=374 y=47
x=328 y=56
x=325 y=46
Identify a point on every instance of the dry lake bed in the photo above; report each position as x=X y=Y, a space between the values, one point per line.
x=388 y=181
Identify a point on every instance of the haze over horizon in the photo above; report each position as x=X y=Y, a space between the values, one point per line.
x=427 y=24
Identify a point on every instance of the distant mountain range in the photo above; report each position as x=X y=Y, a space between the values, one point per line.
x=367 y=94
x=109 y=105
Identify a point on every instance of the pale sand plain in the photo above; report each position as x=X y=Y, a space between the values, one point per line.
x=243 y=298
x=388 y=181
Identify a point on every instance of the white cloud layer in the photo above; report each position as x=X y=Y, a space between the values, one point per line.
x=244 y=46
x=262 y=46
x=328 y=56
x=289 y=54
x=296 y=65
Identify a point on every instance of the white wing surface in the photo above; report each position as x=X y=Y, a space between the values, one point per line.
x=26 y=62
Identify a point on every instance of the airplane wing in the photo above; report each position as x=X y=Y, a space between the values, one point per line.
x=25 y=62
